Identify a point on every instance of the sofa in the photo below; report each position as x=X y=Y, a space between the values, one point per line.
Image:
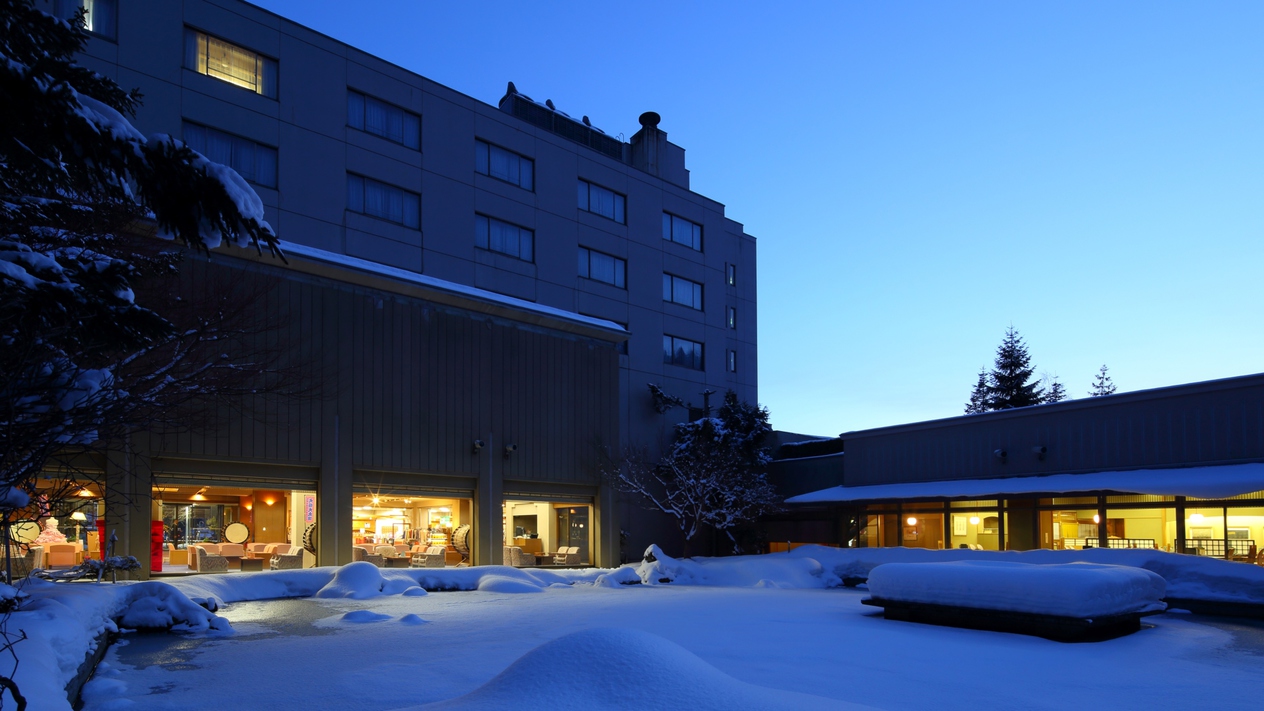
x=432 y=557
x=518 y=558
x=209 y=562
x=287 y=559
x=359 y=553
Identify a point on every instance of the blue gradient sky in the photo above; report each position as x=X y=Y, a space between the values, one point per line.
x=921 y=175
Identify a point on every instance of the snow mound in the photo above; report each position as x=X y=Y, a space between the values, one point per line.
x=502 y=584
x=1069 y=590
x=737 y=571
x=411 y=619
x=363 y=616
x=626 y=575
x=622 y=669
x=357 y=581
x=155 y=605
x=414 y=591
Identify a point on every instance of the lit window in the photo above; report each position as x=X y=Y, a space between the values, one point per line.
x=225 y=61
x=500 y=236
x=602 y=201
x=368 y=196
x=504 y=165
x=382 y=119
x=730 y=274
x=682 y=352
x=732 y=317
x=682 y=231
x=731 y=361
x=679 y=290
x=100 y=17
x=253 y=161
x=602 y=267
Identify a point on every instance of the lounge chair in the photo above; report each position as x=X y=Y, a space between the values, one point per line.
x=288 y=560
x=63 y=555
x=432 y=557
x=210 y=562
x=176 y=557
x=566 y=555
x=359 y=553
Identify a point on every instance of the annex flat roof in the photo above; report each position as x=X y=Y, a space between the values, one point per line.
x=1213 y=482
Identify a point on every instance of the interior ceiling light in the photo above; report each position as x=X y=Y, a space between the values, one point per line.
x=198 y=496
x=974 y=520
x=912 y=521
x=84 y=492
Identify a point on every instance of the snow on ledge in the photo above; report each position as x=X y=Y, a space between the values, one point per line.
x=429 y=282
x=1081 y=590
x=1202 y=482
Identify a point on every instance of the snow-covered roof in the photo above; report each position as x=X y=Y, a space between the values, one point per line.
x=1216 y=482
x=364 y=265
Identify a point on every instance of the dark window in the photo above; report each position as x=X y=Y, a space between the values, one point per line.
x=730 y=274
x=732 y=317
x=679 y=290
x=226 y=61
x=382 y=119
x=100 y=16
x=368 y=196
x=599 y=266
x=602 y=201
x=253 y=161
x=682 y=352
x=731 y=361
x=506 y=238
x=682 y=231
x=504 y=165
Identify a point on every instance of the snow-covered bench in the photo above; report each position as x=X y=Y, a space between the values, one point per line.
x=1072 y=601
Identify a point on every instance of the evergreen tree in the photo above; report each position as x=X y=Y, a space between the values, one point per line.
x=1103 y=384
x=1011 y=384
x=1056 y=392
x=979 y=398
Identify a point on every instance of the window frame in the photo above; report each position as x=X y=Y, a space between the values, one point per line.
x=366 y=179
x=669 y=294
x=276 y=153
x=65 y=9
x=698 y=360
x=730 y=360
x=695 y=234
x=479 y=142
x=730 y=317
x=620 y=210
x=262 y=63
x=621 y=268
x=365 y=98
x=730 y=274
x=488 y=246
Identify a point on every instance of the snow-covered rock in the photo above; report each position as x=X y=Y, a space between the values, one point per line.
x=737 y=571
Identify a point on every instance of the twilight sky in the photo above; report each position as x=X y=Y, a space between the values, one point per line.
x=921 y=175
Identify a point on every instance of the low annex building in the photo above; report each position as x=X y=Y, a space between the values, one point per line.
x=1178 y=468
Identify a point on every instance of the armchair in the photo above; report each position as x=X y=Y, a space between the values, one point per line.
x=287 y=560
x=433 y=557
x=359 y=553
x=64 y=555
x=210 y=562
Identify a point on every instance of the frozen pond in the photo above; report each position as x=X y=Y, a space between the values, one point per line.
x=302 y=652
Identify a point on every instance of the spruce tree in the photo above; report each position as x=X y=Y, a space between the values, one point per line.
x=1011 y=384
x=1103 y=384
x=1056 y=392
x=979 y=398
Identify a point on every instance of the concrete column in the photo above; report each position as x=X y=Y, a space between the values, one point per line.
x=489 y=497
x=606 y=522
x=333 y=498
x=129 y=502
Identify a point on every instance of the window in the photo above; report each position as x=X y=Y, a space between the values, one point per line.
x=225 y=61
x=730 y=274
x=368 y=196
x=500 y=236
x=253 y=161
x=100 y=17
x=731 y=360
x=732 y=317
x=682 y=352
x=679 y=290
x=602 y=201
x=382 y=119
x=603 y=267
x=682 y=231
x=504 y=165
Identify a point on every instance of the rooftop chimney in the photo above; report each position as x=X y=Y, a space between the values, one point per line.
x=654 y=154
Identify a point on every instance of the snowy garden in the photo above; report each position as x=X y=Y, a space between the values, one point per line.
x=757 y=632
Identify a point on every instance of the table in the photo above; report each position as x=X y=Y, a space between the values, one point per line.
x=400 y=562
x=251 y=564
x=234 y=561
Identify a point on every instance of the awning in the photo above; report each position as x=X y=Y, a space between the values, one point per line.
x=1200 y=482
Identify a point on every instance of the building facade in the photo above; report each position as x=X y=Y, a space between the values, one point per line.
x=543 y=270
x=1178 y=468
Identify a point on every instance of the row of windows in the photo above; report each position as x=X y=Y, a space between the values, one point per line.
x=500 y=236
x=382 y=119
x=368 y=196
x=253 y=161
x=680 y=290
x=599 y=266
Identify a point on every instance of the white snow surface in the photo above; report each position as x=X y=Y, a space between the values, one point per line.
x=1216 y=482
x=623 y=669
x=1082 y=590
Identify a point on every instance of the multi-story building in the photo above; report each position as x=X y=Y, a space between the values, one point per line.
x=391 y=190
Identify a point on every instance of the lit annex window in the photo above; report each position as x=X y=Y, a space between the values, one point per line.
x=225 y=61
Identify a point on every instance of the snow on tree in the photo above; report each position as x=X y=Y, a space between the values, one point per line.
x=1102 y=385
x=1010 y=380
x=980 y=400
x=714 y=474
x=81 y=356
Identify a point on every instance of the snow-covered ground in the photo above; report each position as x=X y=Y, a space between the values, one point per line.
x=753 y=632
